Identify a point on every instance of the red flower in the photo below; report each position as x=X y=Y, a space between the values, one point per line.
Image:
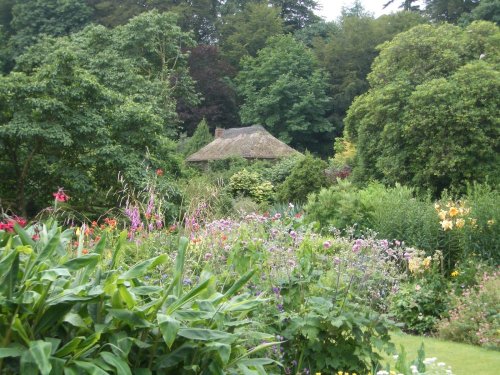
x=35 y=237
x=159 y=172
x=9 y=227
x=60 y=195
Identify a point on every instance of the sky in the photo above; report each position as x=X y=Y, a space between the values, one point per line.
x=331 y=8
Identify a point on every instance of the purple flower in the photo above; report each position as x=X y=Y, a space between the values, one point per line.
x=327 y=244
x=384 y=244
x=336 y=260
x=293 y=234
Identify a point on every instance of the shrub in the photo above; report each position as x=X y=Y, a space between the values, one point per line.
x=307 y=176
x=61 y=313
x=474 y=318
x=250 y=184
x=420 y=303
x=278 y=173
x=200 y=138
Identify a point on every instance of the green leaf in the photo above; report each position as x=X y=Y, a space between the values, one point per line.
x=134 y=319
x=118 y=363
x=126 y=296
x=11 y=352
x=192 y=294
x=222 y=350
x=89 y=368
x=179 y=264
x=25 y=237
x=54 y=273
x=69 y=347
x=49 y=249
x=140 y=268
x=40 y=351
x=75 y=320
x=239 y=284
x=169 y=328
x=82 y=261
x=205 y=334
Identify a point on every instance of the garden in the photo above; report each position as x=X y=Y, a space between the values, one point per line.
x=368 y=245
x=281 y=288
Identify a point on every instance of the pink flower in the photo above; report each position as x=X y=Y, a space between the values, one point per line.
x=60 y=195
x=327 y=244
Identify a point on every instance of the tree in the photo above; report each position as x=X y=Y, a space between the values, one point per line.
x=200 y=138
x=449 y=10
x=33 y=18
x=80 y=109
x=297 y=14
x=348 y=53
x=246 y=32
x=405 y=5
x=219 y=105
x=430 y=118
x=488 y=10
x=285 y=91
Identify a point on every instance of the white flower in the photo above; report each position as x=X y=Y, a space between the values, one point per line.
x=441 y=364
x=382 y=372
x=429 y=361
x=395 y=356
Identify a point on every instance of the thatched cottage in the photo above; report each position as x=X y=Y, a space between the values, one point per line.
x=252 y=142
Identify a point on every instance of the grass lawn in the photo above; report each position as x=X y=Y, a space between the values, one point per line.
x=464 y=359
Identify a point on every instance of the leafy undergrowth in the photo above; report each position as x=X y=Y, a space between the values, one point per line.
x=464 y=359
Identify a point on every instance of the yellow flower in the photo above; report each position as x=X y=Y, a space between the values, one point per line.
x=491 y=222
x=318 y=373
x=453 y=211
x=460 y=223
x=414 y=264
x=340 y=373
x=442 y=214
x=427 y=262
x=437 y=206
x=454 y=273
x=447 y=224
x=473 y=222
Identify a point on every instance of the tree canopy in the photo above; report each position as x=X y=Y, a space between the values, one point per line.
x=285 y=91
x=430 y=118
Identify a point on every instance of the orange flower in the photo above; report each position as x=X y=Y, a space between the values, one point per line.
x=453 y=211
x=85 y=251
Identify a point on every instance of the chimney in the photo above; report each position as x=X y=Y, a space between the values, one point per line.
x=219 y=132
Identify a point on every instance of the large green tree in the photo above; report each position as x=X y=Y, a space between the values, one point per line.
x=286 y=92
x=430 y=118
x=347 y=54
x=80 y=109
x=246 y=32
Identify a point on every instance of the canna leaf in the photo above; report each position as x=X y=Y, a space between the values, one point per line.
x=40 y=352
x=121 y=366
x=169 y=328
x=140 y=268
x=205 y=334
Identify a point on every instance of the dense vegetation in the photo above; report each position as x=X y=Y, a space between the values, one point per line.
x=116 y=256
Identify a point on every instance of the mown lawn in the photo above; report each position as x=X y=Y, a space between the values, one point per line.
x=464 y=359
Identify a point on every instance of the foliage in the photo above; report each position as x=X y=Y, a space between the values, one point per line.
x=451 y=68
x=449 y=10
x=348 y=53
x=200 y=138
x=474 y=318
x=84 y=108
x=278 y=173
x=250 y=184
x=307 y=176
x=420 y=303
x=31 y=19
x=285 y=92
x=218 y=104
x=245 y=33
x=62 y=312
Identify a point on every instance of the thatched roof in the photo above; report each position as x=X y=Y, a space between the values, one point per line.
x=252 y=142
